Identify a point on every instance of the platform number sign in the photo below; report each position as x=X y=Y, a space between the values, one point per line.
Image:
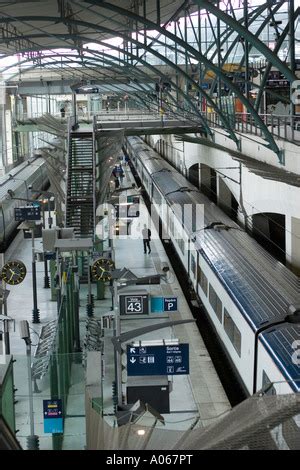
x=134 y=305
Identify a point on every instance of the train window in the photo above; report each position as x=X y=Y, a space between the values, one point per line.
x=156 y=195
x=202 y=280
x=215 y=302
x=267 y=386
x=171 y=222
x=180 y=242
x=204 y=283
x=232 y=332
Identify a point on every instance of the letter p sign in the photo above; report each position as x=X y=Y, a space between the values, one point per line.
x=170 y=304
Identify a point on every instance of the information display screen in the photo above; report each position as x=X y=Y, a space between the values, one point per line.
x=27 y=213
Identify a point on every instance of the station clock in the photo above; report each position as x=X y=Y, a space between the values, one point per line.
x=13 y=272
x=101 y=269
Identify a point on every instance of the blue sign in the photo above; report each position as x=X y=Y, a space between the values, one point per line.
x=50 y=255
x=158 y=360
x=53 y=420
x=157 y=304
x=163 y=304
x=170 y=304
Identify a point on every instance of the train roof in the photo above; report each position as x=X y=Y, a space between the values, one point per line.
x=262 y=287
x=18 y=176
x=283 y=345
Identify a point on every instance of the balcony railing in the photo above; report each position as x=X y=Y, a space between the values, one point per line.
x=282 y=127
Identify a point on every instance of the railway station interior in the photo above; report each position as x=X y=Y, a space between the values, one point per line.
x=149 y=225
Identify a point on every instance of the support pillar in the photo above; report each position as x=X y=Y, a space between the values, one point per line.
x=100 y=290
x=52 y=276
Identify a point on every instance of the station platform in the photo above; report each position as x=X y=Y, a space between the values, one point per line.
x=195 y=399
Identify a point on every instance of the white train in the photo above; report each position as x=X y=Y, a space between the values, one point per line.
x=252 y=300
x=33 y=173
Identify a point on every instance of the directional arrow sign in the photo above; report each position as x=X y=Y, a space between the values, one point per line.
x=132 y=350
x=158 y=360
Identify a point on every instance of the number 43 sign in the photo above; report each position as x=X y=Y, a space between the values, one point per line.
x=134 y=305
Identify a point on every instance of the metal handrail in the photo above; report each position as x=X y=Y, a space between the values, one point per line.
x=285 y=127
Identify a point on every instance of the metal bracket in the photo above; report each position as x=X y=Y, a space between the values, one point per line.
x=281 y=156
x=118 y=340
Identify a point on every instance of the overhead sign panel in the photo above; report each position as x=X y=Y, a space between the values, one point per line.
x=164 y=304
x=158 y=360
x=27 y=213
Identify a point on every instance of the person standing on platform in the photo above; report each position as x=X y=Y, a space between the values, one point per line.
x=117 y=182
x=122 y=177
x=146 y=232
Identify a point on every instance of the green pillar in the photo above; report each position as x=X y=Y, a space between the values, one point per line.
x=98 y=245
x=100 y=290
x=52 y=277
x=76 y=321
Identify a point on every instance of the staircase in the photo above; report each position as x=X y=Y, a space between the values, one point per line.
x=80 y=198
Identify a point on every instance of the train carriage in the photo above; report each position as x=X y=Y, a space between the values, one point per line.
x=244 y=290
x=30 y=173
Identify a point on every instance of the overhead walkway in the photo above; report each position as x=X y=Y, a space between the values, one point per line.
x=132 y=124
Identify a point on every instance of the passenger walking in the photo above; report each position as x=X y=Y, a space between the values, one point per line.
x=62 y=112
x=146 y=232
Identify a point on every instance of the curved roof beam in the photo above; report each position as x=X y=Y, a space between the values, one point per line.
x=242 y=31
x=229 y=32
x=264 y=79
x=137 y=87
x=202 y=58
x=157 y=72
x=251 y=19
x=197 y=55
x=177 y=69
x=207 y=5
x=24 y=20
x=193 y=51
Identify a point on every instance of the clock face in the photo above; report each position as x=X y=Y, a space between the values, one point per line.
x=101 y=269
x=13 y=272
